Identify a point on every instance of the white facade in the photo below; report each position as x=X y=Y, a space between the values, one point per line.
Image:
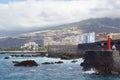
x=30 y=46
x=114 y=36
x=71 y=40
x=86 y=38
x=47 y=41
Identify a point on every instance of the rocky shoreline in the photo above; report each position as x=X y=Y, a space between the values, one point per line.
x=26 y=63
x=31 y=63
x=62 y=56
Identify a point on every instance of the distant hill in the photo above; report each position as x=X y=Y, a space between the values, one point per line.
x=96 y=25
x=17 y=42
x=90 y=25
x=100 y=25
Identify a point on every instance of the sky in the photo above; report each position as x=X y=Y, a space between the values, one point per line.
x=26 y=14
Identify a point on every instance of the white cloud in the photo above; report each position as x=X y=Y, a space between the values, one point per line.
x=39 y=13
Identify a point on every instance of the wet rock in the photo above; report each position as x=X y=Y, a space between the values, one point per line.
x=74 y=61
x=82 y=64
x=34 y=55
x=7 y=57
x=15 y=56
x=48 y=63
x=26 y=63
x=59 y=62
x=52 y=62
x=101 y=61
x=15 y=61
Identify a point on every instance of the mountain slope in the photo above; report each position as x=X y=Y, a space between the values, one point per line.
x=100 y=25
x=95 y=25
x=90 y=25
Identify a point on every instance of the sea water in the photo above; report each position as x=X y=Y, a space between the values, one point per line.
x=65 y=71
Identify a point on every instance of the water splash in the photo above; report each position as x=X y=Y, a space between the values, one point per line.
x=91 y=71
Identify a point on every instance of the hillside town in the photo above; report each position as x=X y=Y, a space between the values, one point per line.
x=69 y=38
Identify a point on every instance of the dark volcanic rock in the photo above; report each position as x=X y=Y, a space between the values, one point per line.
x=15 y=62
x=101 y=61
x=26 y=63
x=6 y=57
x=74 y=61
x=59 y=62
x=48 y=63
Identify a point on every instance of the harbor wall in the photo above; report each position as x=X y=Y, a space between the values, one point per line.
x=116 y=61
x=101 y=45
x=60 y=50
x=105 y=62
x=99 y=60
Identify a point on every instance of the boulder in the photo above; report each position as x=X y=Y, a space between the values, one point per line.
x=74 y=61
x=7 y=57
x=15 y=61
x=59 y=62
x=48 y=63
x=26 y=63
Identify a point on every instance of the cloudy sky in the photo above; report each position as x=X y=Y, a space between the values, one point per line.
x=23 y=14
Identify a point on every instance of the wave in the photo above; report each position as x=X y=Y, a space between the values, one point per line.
x=91 y=71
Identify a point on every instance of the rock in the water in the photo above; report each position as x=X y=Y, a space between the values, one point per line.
x=48 y=63
x=74 y=61
x=26 y=63
x=15 y=61
x=6 y=57
x=59 y=62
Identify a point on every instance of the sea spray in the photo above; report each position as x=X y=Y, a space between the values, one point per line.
x=91 y=71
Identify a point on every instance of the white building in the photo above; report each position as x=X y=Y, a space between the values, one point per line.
x=47 y=41
x=87 y=38
x=30 y=46
x=70 y=40
x=114 y=36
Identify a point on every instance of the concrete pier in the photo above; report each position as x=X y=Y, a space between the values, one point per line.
x=116 y=61
x=105 y=62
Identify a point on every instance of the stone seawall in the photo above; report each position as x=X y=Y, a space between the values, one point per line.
x=71 y=51
x=105 y=62
x=99 y=60
x=116 y=61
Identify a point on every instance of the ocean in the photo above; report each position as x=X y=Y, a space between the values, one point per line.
x=65 y=71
